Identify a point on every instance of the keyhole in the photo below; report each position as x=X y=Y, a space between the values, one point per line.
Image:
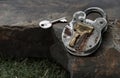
x=101 y=22
x=42 y=24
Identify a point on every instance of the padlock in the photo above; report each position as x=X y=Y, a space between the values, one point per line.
x=83 y=36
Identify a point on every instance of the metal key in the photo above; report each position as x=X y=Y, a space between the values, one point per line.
x=80 y=31
x=45 y=24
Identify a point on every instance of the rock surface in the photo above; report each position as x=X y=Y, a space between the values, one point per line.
x=20 y=35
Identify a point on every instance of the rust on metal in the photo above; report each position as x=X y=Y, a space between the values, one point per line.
x=67 y=31
x=81 y=32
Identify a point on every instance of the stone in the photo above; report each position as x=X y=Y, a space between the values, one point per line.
x=21 y=36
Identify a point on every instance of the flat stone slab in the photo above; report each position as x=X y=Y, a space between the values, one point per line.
x=21 y=36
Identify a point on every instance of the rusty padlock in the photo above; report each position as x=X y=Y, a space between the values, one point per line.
x=82 y=36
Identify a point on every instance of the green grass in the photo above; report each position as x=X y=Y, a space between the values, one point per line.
x=30 y=68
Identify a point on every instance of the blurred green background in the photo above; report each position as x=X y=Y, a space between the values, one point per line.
x=30 y=68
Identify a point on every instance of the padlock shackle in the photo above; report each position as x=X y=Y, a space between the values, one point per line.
x=95 y=10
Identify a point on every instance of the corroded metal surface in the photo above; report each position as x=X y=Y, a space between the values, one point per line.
x=21 y=36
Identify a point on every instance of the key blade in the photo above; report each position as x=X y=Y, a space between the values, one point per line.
x=80 y=44
x=63 y=19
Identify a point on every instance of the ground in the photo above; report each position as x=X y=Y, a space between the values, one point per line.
x=30 y=68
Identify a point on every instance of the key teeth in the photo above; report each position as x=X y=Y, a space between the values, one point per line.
x=63 y=20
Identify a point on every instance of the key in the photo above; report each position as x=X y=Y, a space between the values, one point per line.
x=80 y=44
x=80 y=32
x=45 y=24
